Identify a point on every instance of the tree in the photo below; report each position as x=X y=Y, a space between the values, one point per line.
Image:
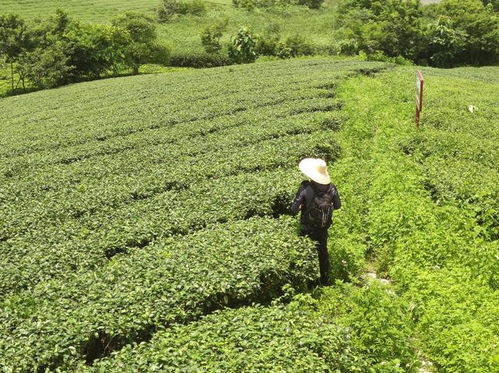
x=389 y=26
x=47 y=66
x=242 y=47
x=442 y=42
x=95 y=49
x=210 y=36
x=142 y=47
x=461 y=32
x=13 y=40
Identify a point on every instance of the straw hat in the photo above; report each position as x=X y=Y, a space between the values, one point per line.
x=316 y=169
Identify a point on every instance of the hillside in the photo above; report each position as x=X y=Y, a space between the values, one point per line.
x=97 y=10
x=154 y=209
x=182 y=33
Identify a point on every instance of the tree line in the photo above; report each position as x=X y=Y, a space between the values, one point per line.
x=61 y=50
x=451 y=33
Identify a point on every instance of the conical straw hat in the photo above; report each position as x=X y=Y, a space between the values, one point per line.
x=316 y=169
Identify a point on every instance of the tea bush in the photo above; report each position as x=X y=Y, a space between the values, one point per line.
x=287 y=338
x=133 y=208
x=174 y=280
x=103 y=225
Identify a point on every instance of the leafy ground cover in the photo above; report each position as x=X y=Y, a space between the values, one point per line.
x=431 y=223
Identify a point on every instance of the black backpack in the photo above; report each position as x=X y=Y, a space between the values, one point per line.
x=320 y=212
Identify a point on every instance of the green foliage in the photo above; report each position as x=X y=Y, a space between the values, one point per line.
x=100 y=218
x=210 y=36
x=380 y=325
x=75 y=230
x=198 y=59
x=285 y=338
x=446 y=34
x=312 y=4
x=168 y=9
x=252 y=4
x=391 y=27
x=266 y=4
x=461 y=32
x=174 y=280
x=47 y=66
x=430 y=225
x=96 y=49
x=242 y=47
x=60 y=50
x=462 y=316
x=13 y=39
x=380 y=56
x=270 y=44
x=299 y=45
x=143 y=47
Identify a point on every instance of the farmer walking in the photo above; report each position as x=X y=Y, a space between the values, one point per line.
x=317 y=199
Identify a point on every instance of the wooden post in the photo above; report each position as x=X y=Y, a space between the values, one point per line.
x=419 y=95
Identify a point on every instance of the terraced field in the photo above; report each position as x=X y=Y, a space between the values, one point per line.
x=144 y=221
x=100 y=180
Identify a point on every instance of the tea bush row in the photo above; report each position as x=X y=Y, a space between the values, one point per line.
x=82 y=188
x=86 y=316
x=88 y=197
x=81 y=245
x=161 y=100
x=284 y=338
x=348 y=328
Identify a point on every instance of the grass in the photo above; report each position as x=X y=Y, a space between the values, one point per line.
x=94 y=11
x=183 y=32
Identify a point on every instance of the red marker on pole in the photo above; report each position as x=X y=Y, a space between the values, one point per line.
x=419 y=95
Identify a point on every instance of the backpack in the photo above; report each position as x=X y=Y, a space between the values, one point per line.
x=320 y=212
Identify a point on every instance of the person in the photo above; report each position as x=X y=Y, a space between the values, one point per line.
x=317 y=198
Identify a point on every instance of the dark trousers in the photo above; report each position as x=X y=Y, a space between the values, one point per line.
x=320 y=236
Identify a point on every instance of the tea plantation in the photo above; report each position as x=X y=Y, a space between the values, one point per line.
x=144 y=222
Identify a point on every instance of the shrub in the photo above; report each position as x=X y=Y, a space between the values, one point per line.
x=380 y=324
x=242 y=47
x=46 y=67
x=389 y=26
x=270 y=44
x=252 y=4
x=380 y=56
x=170 y=8
x=181 y=279
x=312 y=4
x=198 y=59
x=285 y=338
x=460 y=32
x=210 y=36
x=299 y=46
x=95 y=49
x=143 y=48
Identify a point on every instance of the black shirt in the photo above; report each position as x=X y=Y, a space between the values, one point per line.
x=305 y=195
